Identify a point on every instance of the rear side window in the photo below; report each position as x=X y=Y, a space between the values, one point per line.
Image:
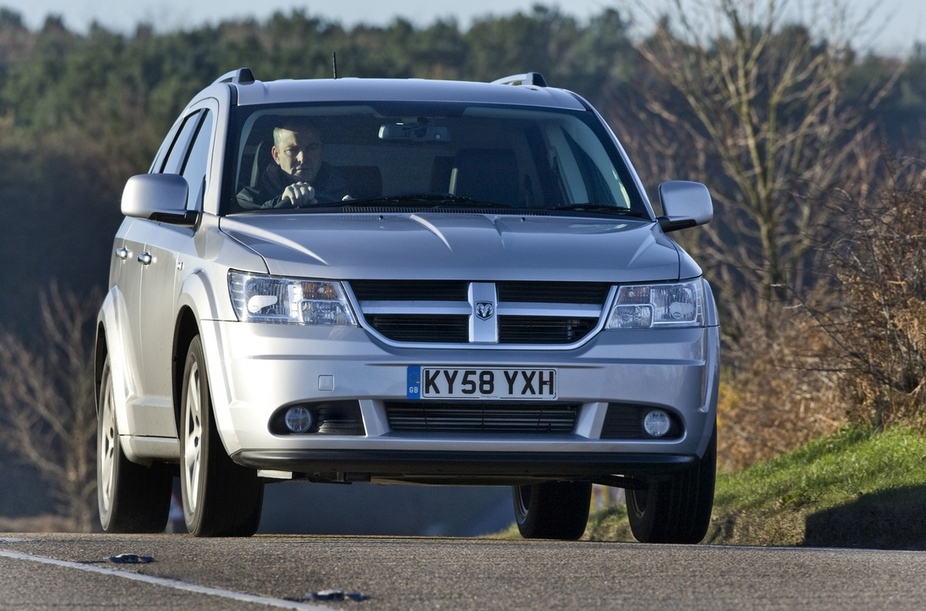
x=195 y=165
x=178 y=148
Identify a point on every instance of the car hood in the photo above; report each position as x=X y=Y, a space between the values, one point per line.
x=458 y=246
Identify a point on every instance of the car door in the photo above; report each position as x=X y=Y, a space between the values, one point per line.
x=167 y=256
x=125 y=280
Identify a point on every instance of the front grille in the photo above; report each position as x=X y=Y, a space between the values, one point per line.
x=444 y=311
x=478 y=418
x=553 y=292
x=409 y=290
x=422 y=328
x=543 y=330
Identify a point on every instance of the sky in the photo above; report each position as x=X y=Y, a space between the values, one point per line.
x=894 y=25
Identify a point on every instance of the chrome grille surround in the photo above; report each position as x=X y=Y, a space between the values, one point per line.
x=486 y=314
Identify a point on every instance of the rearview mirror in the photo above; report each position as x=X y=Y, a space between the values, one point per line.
x=414 y=132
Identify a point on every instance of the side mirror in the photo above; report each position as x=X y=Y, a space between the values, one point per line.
x=159 y=197
x=685 y=204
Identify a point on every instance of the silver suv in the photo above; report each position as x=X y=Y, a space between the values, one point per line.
x=361 y=280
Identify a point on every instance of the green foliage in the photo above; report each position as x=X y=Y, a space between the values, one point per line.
x=858 y=488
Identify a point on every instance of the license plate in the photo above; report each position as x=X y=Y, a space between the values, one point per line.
x=484 y=384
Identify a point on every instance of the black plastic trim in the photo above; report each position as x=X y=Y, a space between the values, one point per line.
x=669 y=225
x=588 y=465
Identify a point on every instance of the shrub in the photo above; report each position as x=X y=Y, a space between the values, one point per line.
x=877 y=320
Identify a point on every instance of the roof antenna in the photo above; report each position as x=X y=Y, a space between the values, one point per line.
x=334 y=63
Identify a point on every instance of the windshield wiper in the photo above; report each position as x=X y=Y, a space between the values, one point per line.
x=601 y=208
x=426 y=200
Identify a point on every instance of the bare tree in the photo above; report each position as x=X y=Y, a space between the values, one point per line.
x=47 y=412
x=878 y=322
x=755 y=106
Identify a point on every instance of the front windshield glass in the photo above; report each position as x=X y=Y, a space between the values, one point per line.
x=436 y=156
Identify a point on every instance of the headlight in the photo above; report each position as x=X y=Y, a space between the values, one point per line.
x=658 y=305
x=259 y=298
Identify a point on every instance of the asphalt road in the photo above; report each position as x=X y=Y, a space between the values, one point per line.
x=263 y=572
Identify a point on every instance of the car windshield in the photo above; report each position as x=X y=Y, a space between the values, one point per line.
x=428 y=156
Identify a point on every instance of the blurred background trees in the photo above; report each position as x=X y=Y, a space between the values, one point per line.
x=765 y=112
x=809 y=148
x=48 y=418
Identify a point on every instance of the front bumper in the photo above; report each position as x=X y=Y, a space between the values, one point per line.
x=255 y=369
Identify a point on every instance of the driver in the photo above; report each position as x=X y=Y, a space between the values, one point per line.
x=297 y=176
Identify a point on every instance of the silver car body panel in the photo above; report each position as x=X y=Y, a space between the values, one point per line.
x=468 y=246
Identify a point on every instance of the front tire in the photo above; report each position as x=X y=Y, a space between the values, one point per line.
x=552 y=510
x=677 y=510
x=132 y=498
x=220 y=498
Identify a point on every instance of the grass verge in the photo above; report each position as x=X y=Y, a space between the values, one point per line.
x=859 y=488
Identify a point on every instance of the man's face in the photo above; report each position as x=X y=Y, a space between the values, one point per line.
x=298 y=152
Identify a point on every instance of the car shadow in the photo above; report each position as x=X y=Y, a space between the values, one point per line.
x=884 y=520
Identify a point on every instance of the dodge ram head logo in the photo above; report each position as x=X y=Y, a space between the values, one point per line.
x=484 y=310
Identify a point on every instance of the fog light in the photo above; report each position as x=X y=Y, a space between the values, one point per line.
x=656 y=423
x=298 y=419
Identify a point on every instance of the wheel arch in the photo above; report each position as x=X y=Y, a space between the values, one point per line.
x=109 y=342
x=203 y=302
x=196 y=301
x=186 y=329
x=100 y=352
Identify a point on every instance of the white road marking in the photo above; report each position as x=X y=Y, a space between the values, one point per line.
x=168 y=583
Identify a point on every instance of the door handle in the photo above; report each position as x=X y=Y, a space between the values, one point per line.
x=145 y=258
x=123 y=253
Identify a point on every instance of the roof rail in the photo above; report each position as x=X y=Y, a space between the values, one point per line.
x=528 y=78
x=242 y=76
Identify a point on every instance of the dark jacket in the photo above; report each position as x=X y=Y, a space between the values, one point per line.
x=329 y=187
